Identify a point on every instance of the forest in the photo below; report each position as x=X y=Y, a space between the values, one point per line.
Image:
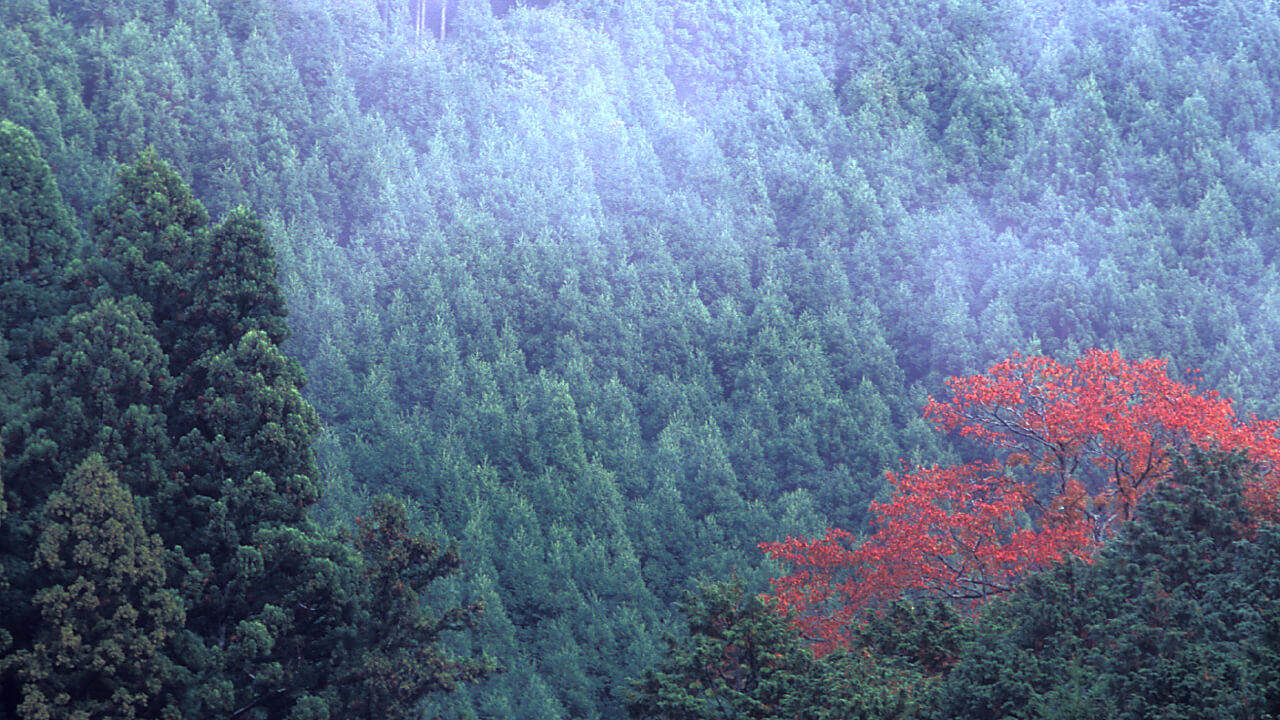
x=550 y=359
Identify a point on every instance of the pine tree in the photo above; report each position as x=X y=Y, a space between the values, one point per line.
x=238 y=292
x=402 y=661
x=177 y=573
x=38 y=242
x=109 y=394
x=741 y=659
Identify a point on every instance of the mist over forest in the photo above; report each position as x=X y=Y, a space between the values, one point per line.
x=409 y=360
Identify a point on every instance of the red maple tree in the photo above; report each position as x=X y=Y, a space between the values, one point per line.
x=1075 y=447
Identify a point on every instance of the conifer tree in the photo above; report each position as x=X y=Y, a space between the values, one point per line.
x=37 y=243
x=1174 y=619
x=177 y=573
x=109 y=394
x=741 y=659
x=106 y=616
x=392 y=673
x=152 y=236
x=38 y=240
x=238 y=292
x=6 y=638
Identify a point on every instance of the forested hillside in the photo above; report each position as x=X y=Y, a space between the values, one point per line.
x=612 y=292
x=157 y=556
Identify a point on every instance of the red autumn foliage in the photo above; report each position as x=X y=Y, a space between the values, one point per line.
x=1076 y=447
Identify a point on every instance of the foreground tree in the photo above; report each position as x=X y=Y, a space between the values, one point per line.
x=152 y=238
x=1076 y=446
x=39 y=242
x=176 y=572
x=1177 y=617
x=741 y=659
x=106 y=617
x=405 y=662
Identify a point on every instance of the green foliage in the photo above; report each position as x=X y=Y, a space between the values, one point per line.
x=240 y=293
x=663 y=280
x=107 y=392
x=1173 y=620
x=176 y=572
x=151 y=236
x=924 y=639
x=106 y=616
x=1176 y=618
x=741 y=659
x=249 y=417
x=401 y=661
x=39 y=243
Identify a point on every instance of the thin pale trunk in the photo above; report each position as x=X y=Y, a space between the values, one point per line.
x=444 y=4
x=420 y=21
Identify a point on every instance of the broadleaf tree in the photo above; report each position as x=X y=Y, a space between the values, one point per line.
x=1073 y=448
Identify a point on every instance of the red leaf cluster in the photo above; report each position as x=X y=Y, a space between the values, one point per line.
x=1077 y=445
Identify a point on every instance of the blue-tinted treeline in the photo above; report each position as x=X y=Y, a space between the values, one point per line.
x=616 y=290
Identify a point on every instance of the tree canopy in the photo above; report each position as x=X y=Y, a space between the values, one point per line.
x=173 y=571
x=609 y=292
x=1076 y=447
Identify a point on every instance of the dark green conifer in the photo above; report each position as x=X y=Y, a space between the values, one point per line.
x=1175 y=619
x=398 y=659
x=106 y=617
x=37 y=245
x=38 y=240
x=249 y=415
x=108 y=394
x=152 y=238
x=210 y=592
x=238 y=292
x=742 y=659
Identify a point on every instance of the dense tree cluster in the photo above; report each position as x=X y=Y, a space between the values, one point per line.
x=1176 y=617
x=1077 y=447
x=612 y=291
x=158 y=559
x=741 y=659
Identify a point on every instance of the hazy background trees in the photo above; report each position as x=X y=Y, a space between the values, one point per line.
x=615 y=291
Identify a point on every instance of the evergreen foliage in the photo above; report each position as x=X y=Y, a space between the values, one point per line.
x=40 y=242
x=610 y=291
x=1174 y=619
x=175 y=572
x=151 y=236
x=106 y=615
x=741 y=659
